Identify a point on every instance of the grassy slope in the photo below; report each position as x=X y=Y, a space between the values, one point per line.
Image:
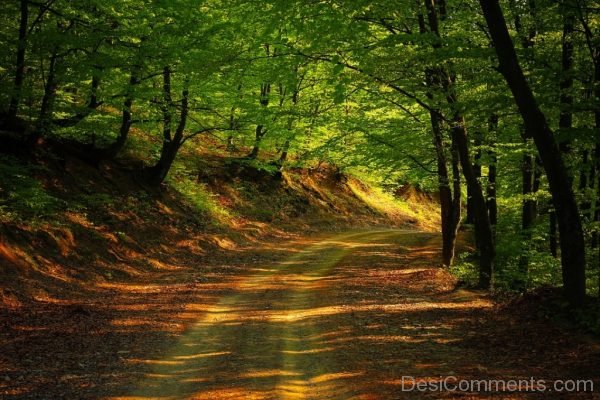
x=68 y=227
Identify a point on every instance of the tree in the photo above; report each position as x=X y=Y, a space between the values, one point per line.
x=572 y=243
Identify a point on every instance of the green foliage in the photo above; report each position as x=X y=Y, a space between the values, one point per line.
x=465 y=269
x=22 y=196
x=337 y=82
x=198 y=197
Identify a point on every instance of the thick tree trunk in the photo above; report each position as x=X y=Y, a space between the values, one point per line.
x=15 y=97
x=571 y=232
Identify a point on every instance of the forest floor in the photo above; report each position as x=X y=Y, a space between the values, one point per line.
x=232 y=282
x=331 y=316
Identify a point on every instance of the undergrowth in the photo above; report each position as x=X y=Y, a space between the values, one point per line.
x=23 y=198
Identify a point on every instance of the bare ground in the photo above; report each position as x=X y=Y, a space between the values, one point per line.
x=333 y=316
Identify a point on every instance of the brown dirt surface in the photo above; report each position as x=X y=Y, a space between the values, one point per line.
x=331 y=316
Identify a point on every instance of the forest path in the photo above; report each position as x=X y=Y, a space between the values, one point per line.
x=346 y=317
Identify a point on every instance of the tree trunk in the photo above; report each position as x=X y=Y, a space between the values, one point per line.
x=477 y=168
x=529 y=204
x=166 y=105
x=126 y=118
x=15 y=97
x=492 y=204
x=158 y=172
x=230 y=144
x=483 y=227
x=529 y=211
x=583 y=185
x=284 y=153
x=265 y=90
x=569 y=222
x=566 y=81
x=259 y=134
x=449 y=206
x=232 y=126
x=93 y=104
x=44 y=121
x=595 y=180
x=492 y=172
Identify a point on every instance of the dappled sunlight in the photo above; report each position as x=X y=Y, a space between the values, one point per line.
x=290 y=330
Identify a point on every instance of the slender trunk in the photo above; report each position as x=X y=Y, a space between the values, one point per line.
x=567 y=213
x=93 y=103
x=583 y=184
x=265 y=90
x=232 y=125
x=483 y=227
x=477 y=168
x=15 y=98
x=529 y=204
x=259 y=134
x=126 y=118
x=450 y=199
x=596 y=181
x=230 y=144
x=492 y=172
x=158 y=172
x=529 y=211
x=284 y=152
x=166 y=105
x=449 y=206
x=492 y=204
x=290 y=125
x=44 y=121
x=595 y=169
x=566 y=81
x=456 y=190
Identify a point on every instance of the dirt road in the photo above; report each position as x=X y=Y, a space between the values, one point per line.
x=344 y=318
x=332 y=316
